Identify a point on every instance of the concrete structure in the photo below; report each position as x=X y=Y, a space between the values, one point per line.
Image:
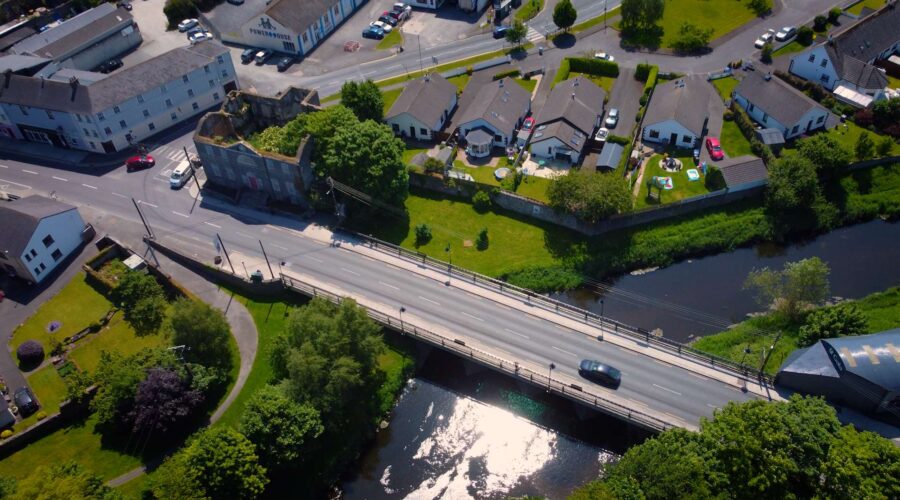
x=423 y=107
x=861 y=372
x=496 y=112
x=775 y=104
x=108 y=113
x=567 y=121
x=37 y=234
x=743 y=172
x=86 y=40
x=232 y=163
x=678 y=112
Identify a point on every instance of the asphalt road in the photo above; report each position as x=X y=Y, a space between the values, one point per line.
x=178 y=218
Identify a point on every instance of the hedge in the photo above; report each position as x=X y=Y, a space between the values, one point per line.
x=596 y=67
x=562 y=73
x=508 y=73
x=652 y=77
x=618 y=139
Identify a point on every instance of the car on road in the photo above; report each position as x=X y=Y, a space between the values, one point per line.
x=600 y=373
x=373 y=32
x=262 y=56
x=786 y=33
x=604 y=56
x=714 y=148
x=764 y=39
x=199 y=37
x=24 y=400
x=180 y=175
x=139 y=162
x=601 y=135
x=387 y=28
x=386 y=19
x=284 y=63
x=500 y=31
x=110 y=66
x=187 y=24
x=247 y=55
x=612 y=118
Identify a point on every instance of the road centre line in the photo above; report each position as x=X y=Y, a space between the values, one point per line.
x=32 y=172
x=15 y=184
x=3 y=166
x=714 y=407
x=387 y=285
x=473 y=317
x=89 y=186
x=517 y=333
x=426 y=299
x=565 y=351
x=213 y=225
x=349 y=271
x=279 y=246
x=245 y=235
x=181 y=214
x=310 y=257
x=59 y=178
x=148 y=204
x=119 y=195
x=667 y=389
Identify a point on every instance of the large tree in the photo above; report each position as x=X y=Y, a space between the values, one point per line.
x=691 y=37
x=792 y=184
x=799 y=285
x=204 y=331
x=282 y=430
x=164 y=399
x=516 y=32
x=564 y=15
x=641 y=14
x=117 y=380
x=143 y=300
x=364 y=99
x=863 y=465
x=830 y=322
x=63 y=481
x=826 y=154
x=590 y=196
x=221 y=462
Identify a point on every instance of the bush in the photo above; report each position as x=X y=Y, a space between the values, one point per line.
x=470 y=70
x=692 y=38
x=805 y=35
x=834 y=14
x=481 y=201
x=508 y=73
x=6 y=434
x=433 y=165
x=642 y=72
x=41 y=415
x=30 y=353
x=830 y=322
x=618 y=139
x=760 y=7
x=546 y=279
x=596 y=67
x=482 y=241
x=766 y=55
x=423 y=234
x=884 y=147
x=728 y=115
x=177 y=10
x=763 y=151
x=652 y=78
x=820 y=22
x=865 y=147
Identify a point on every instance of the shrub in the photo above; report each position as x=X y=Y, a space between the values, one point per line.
x=642 y=72
x=596 y=67
x=41 y=415
x=643 y=100
x=423 y=234
x=692 y=38
x=805 y=35
x=30 y=353
x=763 y=151
x=618 y=139
x=834 y=14
x=482 y=241
x=6 y=433
x=652 y=78
x=766 y=55
x=728 y=115
x=432 y=165
x=508 y=73
x=884 y=147
x=481 y=201
x=715 y=180
x=820 y=22
x=760 y=7
x=865 y=147
x=470 y=70
x=830 y=322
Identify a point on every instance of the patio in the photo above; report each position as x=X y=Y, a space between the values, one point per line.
x=547 y=168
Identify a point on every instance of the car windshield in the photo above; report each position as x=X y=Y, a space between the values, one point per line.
x=176 y=175
x=614 y=112
x=613 y=372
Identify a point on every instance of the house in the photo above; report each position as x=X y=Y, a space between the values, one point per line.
x=773 y=103
x=292 y=27
x=423 y=107
x=679 y=111
x=567 y=121
x=845 y=63
x=493 y=116
x=743 y=172
x=38 y=234
x=108 y=113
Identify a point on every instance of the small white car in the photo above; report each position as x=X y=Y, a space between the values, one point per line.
x=387 y=28
x=601 y=135
x=786 y=33
x=199 y=37
x=764 y=39
x=604 y=56
x=612 y=118
x=187 y=24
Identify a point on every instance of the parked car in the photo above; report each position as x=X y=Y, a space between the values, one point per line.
x=284 y=63
x=24 y=400
x=528 y=123
x=500 y=31
x=199 y=37
x=110 y=66
x=387 y=28
x=124 y=5
x=786 y=33
x=139 y=162
x=247 y=55
x=187 y=24
x=180 y=175
x=373 y=32
x=601 y=135
x=262 y=56
x=399 y=16
x=714 y=148
x=389 y=20
x=604 y=56
x=764 y=38
x=612 y=118
x=404 y=10
x=601 y=373
x=192 y=31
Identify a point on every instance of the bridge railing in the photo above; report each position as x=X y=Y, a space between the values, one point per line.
x=588 y=317
x=512 y=368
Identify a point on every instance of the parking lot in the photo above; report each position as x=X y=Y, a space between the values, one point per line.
x=152 y=23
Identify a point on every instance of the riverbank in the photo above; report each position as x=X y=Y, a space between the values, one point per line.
x=756 y=335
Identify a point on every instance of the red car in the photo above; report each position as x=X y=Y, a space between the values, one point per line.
x=528 y=123
x=714 y=148
x=139 y=162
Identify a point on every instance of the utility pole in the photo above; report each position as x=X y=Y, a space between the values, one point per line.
x=191 y=164
x=765 y=361
x=141 y=214
x=450 y=265
x=604 y=15
x=225 y=251
x=419 y=43
x=550 y=375
x=267 y=259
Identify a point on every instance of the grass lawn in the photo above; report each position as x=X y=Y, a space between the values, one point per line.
x=723 y=16
x=118 y=337
x=410 y=153
x=529 y=9
x=534 y=188
x=528 y=85
x=893 y=82
x=590 y=23
x=683 y=188
x=483 y=175
x=604 y=82
x=725 y=86
x=848 y=137
x=450 y=65
x=389 y=96
x=872 y=4
x=391 y=39
x=791 y=48
x=733 y=141
x=50 y=389
x=460 y=81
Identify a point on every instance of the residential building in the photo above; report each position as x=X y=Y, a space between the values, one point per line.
x=108 y=113
x=567 y=121
x=234 y=165
x=493 y=116
x=423 y=107
x=38 y=234
x=679 y=111
x=743 y=172
x=773 y=103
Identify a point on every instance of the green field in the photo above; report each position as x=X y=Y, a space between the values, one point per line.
x=791 y=48
x=389 y=96
x=604 y=82
x=529 y=9
x=733 y=141
x=391 y=39
x=683 y=188
x=460 y=81
x=725 y=86
x=590 y=23
x=849 y=134
x=723 y=16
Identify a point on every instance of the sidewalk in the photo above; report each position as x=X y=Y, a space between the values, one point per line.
x=30 y=152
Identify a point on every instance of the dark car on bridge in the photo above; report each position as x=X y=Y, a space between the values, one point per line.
x=600 y=373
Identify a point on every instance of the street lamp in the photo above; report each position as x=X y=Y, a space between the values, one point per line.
x=450 y=265
x=601 y=309
x=402 y=310
x=550 y=375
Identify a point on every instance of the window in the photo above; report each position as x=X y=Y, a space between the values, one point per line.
x=116 y=109
x=195 y=106
x=47 y=241
x=216 y=96
x=174 y=116
x=396 y=128
x=190 y=92
x=305 y=38
x=43 y=266
x=27 y=258
x=220 y=59
x=812 y=58
x=108 y=131
x=140 y=98
x=33 y=253
x=100 y=117
x=825 y=78
x=37 y=271
x=151 y=126
x=94 y=133
x=184 y=78
x=821 y=119
x=23 y=110
x=146 y=114
x=654 y=134
x=687 y=138
x=168 y=103
x=56 y=255
x=212 y=84
x=750 y=106
x=78 y=117
x=423 y=131
x=93 y=146
x=74 y=141
x=498 y=137
x=765 y=117
x=795 y=129
x=206 y=68
x=824 y=63
x=86 y=132
x=225 y=73
x=123 y=124
x=336 y=10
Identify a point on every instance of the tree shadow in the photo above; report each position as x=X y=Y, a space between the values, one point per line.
x=635 y=38
x=564 y=41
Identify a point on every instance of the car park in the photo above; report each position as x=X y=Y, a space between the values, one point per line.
x=284 y=63
x=404 y=11
x=387 y=28
x=612 y=118
x=24 y=400
x=764 y=39
x=604 y=56
x=714 y=148
x=110 y=66
x=199 y=37
x=600 y=373
x=389 y=20
x=786 y=33
x=187 y=24
x=247 y=55
x=500 y=31
x=373 y=32
x=139 y=162
x=262 y=56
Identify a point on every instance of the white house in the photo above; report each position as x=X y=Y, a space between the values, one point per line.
x=678 y=112
x=493 y=116
x=107 y=113
x=775 y=104
x=294 y=26
x=38 y=234
x=423 y=107
x=570 y=116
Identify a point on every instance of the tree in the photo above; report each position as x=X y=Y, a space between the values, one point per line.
x=861 y=465
x=590 y=196
x=834 y=14
x=864 y=147
x=30 y=353
x=176 y=479
x=163 y=400
x=204 y=330
x=884 y=147
x=147 y=314
x=282 y=430
x=800 y=284
x=805 y=35
x=63 y=482
x=143 y=300
x=760 y=7
x=564 y=15
x=641 y=15
x=364 y=99
x=423 y=234
x=433 y=165
x=886 y=112
x=482 y=241
x=176 y=10
x=830 y=322
x=77 y=382
x=481 y=201
x=827 y=154
x=691 y=37
x=117 y=380
x=323 y=125
x=820 y=22
x=516 y=33
x=766 y=54
x=792 y=184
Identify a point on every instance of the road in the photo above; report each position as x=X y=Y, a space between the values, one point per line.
x=178 y=219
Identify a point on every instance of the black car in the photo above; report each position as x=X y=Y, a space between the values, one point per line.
x=110 y=66
x=373 y=32
x=247 y=55
x=500 y=31
x=600 y=373
x=24 y=399
x=284 y=63
x=236 y=2
x=124 y=5
x=388 y=20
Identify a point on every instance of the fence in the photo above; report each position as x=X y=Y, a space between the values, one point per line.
x=511 y=368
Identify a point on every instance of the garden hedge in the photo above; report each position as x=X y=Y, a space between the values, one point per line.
x=596 y=67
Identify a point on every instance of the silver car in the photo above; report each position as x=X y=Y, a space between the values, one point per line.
x=612 y=118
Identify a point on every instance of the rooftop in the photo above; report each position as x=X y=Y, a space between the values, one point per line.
x=577 y=100
x=73 y=32
x=857 y=72
x=685 y=100
x=298 y=15
x=742 y=170
x=871 y=36
x=501 y=103
x=20 y=218
x=776 y=98
x=425 y=99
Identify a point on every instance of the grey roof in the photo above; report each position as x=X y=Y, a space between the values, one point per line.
x=479 y=136
x=770 y=136
x=685 y=100
x=425 y=99
x=75 y=32
x=857 y=72
x=742 y=170
x=776 y=98
x=17 y=62
x=14 y=36
x=84 y=77
x=577 y=100
x=562 y=130
x=871 y=36
x=19 y=219
x=501 y=104
x=298 y=15
x=610 y=155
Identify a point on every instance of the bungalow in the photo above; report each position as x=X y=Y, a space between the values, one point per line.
x=568 y=119
x=423 y=107
x=678 y=112
x=775 y=104
x=493 y=116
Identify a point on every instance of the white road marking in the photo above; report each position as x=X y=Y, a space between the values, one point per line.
x=349 y=271
x=245 y=235
x=667 y=389
x=148 y=204
x=213 y=225
x=426 y=299
x=516 y=333
x=279 y=246
x=181 y=214
x=387 y=285
x=32 y=172
x=60 y=178
x=89 y=186
x=119 y=195
x=565 y=351
x=15 y=184
x=473 y=317
x=310 y=257
x=3 y=166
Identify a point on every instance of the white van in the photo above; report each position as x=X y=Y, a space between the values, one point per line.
x=180 y=175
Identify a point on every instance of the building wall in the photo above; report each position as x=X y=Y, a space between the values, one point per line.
x=426 y=4
x=120 y=41
x=265 y=32
x=550 y=146
x=665 y=130
x=759 y=115
x=818 y=117
x=65 y=229
x=405 y=125
x=808 y=65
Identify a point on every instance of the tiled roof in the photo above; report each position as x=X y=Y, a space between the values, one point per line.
x=20 y=218
x=425 y=99
x=742 y=170
x=501 y=104
x=685 y=100
x=776 y=98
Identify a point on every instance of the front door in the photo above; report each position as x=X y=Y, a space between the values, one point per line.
x=673 y=139
x=412 y=131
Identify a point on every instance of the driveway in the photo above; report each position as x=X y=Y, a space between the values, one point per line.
x=625 y=96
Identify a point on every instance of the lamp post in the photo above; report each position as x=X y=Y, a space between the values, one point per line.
x=550 y=375
x=601 y=309
x=402 y=310
x=450 y=265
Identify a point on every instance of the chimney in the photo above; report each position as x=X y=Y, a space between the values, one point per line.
x=7 y=76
